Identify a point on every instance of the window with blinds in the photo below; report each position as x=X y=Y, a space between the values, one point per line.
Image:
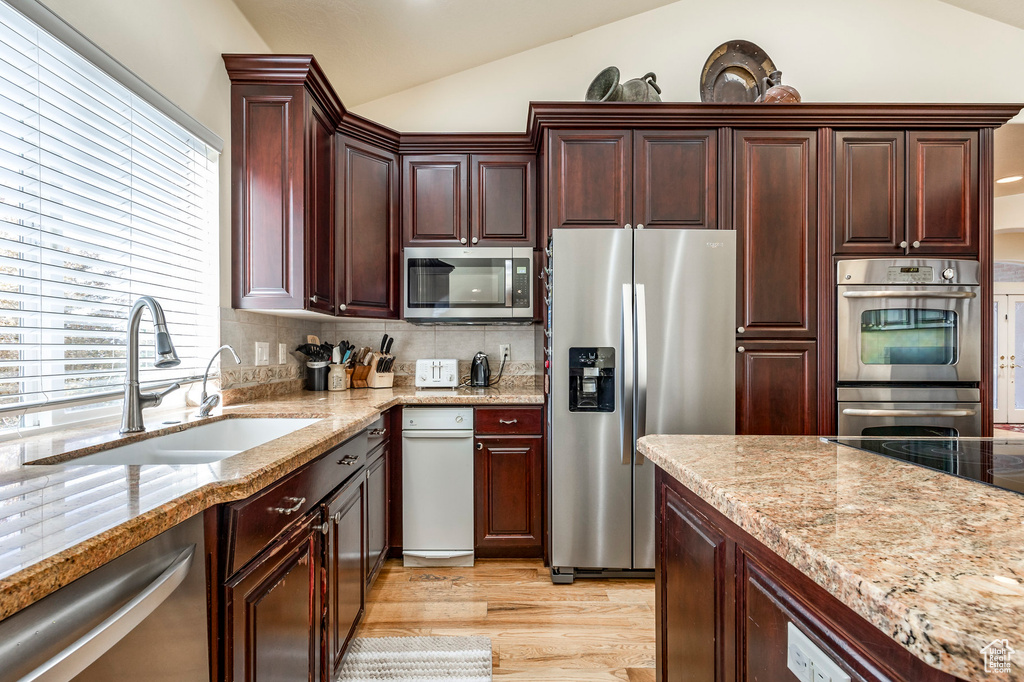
x=102 y=199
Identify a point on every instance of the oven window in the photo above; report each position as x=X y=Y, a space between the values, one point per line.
x=456 y=283
x=908 y=336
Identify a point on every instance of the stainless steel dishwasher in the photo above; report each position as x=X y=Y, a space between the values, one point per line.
x=140 y=617
x=437 y=486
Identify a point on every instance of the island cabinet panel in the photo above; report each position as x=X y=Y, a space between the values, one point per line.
x=274 y=612
x=725 y=602
x=367 y=225
x=435 y=199
x=344 y=568
x=776 y=387
x=504 y=200
x=321 y=249
x=942 y=206
x=376 y=512
x=590 y=177
x=674 y=178
x=691 y=585
x=869 y=193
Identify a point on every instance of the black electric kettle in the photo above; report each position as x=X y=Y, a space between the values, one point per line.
x=480 y=371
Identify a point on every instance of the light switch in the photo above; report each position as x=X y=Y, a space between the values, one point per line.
x=262 y=353
x=282 y=353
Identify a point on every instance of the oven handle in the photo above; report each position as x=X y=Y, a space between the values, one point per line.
x=909 y=294
x=855 y=412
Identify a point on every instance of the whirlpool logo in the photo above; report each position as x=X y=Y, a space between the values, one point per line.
x=714 y=245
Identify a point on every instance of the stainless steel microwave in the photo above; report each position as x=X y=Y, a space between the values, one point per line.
x=482 y=284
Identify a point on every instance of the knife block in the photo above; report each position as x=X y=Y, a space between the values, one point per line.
x=359 y=375
x=377 y=379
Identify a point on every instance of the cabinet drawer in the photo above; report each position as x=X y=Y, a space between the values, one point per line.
x=257 y=520
x=377 y=432
x=500 y=421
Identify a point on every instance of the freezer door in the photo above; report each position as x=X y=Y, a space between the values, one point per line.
x=590 y=496
x=686 y=317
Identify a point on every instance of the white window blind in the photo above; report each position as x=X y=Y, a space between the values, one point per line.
x=102 y=199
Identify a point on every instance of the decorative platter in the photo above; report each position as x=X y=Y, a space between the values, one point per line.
x=735 y=72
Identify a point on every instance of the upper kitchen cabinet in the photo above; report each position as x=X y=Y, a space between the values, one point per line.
x=942 y=202
x=906 y=193
x=464 y=199
x=589 y=178
x=674 y=178
x=775 y=215
x=367 y=227
x=283 y=118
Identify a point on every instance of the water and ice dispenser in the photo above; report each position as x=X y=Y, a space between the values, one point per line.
x=592 y=379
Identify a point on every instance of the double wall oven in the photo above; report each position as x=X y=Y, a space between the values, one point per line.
x=909 y=347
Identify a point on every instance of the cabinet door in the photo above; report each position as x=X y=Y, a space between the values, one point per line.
x=368 y=230
x=268 y=195
x=777 y=388
x=504 y=202
x=590 y=178
x=691 y=582
x=942 y=202
x=320 y=243
x=435 y=200
x=674 y=178
x=775 y=213
x=345 y=582
x=869 y=192
x=508 y=497
x=376 y=514
x=275 y=611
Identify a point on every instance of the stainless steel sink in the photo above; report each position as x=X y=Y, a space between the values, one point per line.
x=200 y=444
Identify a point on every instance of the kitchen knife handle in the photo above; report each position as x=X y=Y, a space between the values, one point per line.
x=626 y=381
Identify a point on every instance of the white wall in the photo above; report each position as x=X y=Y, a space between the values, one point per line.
x=1009 y=213
x=176 y=46
x=832 y=51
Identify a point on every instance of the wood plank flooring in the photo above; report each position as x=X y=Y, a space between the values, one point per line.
x=592 y=630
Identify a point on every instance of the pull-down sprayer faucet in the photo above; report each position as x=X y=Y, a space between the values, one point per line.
x=134 y=399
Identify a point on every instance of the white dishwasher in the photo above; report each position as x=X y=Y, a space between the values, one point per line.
x=437 y=486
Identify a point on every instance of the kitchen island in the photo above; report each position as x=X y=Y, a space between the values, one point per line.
x=896 y=571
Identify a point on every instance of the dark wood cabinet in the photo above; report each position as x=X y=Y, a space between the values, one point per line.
x=508 y=496
x=589 y=178
x=869 y=193
x=776 y=387
x=320 y=237
x=942 y=202
x=376 y=512
x=344 y=568
x=367 y=225
x=775 y=216
x=504 y=200
x=691 y=583
x=435 y=199
x=274 y=610
x=675 y=178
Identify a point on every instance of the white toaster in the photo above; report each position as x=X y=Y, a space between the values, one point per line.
x=437 y=373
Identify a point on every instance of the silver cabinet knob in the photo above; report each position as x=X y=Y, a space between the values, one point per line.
x=628 y=227
x=479 y=445
x=903 y=245
x=463 y=240
x=740 y=349
x=740 y=330
x=916 y=245
x=313 y=298
x=639 y=226
x=337 y=517
x=342 y=307
x=476 y=239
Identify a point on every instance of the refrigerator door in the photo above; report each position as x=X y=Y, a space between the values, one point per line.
x=590 y=488
x=686 y=365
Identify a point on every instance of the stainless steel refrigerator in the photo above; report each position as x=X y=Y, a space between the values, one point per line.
x=642 y=329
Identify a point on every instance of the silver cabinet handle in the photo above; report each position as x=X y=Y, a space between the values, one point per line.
x=325 y=527
x=916 y=245
x=463 y=240
x=337 y=517
x=348 y=460
x=740 y=330
x=508 y=421
x=909 y=294
x=740 y=349
x=903 y=244
x=476 y=239
x=342 y=307
x=96 y=642
x=299 y=501
x=313 y=298
x=627 y=227
x=639 y=226
x=854 y=412
x=376 y=432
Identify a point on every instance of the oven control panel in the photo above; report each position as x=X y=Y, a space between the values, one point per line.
x=909 y=272
x=916 y=274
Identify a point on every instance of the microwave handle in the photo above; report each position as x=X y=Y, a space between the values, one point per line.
x=508 y=283
x=909 y=294
x=854 y=412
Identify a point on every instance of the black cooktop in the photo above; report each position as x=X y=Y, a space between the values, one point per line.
x=996 y=461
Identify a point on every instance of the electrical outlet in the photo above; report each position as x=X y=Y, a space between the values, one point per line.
x=505 y=352
x=262 y=353
x=809 y=663
x=282 y=353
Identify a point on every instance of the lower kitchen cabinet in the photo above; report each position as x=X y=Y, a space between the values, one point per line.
x=344 y=568
x=376 y=512
x=776 y=387
x=724 y=603
x=273 y=611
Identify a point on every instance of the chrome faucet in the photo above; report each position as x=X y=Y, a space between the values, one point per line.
x=207 y=403
x=134 y=399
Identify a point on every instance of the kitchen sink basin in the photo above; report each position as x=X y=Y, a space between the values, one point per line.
x=200 y=444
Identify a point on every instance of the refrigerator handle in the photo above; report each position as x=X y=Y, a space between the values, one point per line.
x=627 y=372
x=641 y=366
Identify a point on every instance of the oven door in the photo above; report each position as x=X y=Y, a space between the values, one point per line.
x=468 y=284
x=909 y=334
x=909 y=420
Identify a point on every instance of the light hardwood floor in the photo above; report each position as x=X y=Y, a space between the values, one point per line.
x=588 y=631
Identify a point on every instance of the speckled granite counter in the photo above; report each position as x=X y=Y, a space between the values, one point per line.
x=60 y=521
x=935 y=561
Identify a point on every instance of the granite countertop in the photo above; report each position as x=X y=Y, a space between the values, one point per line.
x=60 y=521
x=935 y=561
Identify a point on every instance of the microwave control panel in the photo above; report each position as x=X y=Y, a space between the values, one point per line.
x=521 y=283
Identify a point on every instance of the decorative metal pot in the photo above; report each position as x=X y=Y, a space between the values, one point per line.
x=606 y=88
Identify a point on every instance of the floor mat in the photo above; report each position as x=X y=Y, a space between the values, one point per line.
x=419 y=659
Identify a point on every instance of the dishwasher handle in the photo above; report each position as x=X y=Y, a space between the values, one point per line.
x=93 y=644
x=454 y=433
